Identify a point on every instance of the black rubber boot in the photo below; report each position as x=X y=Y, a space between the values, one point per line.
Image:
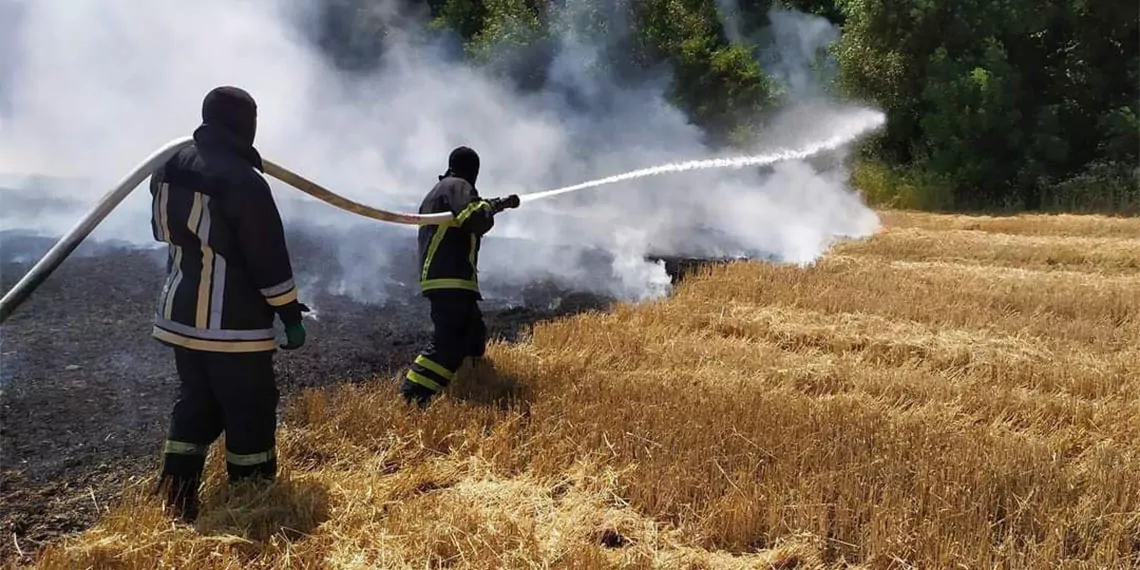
x=182 y=497
x=259 y=473
x=414 y=393
x=181 y=477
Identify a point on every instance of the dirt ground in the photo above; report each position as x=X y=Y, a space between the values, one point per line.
x=85 y=391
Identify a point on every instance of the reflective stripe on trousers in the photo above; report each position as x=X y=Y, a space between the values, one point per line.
x=430 y=374
x=175 y=447
x=250 y=459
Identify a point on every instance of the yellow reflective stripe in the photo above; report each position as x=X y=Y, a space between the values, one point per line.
x=436 y=239
x=424 y=381
x=283 y=299
x=435 y=367
x=184 y=448
x=249 y=459
x=433 y=284
x=214 y=345
x=193 y=223
x=471 y=209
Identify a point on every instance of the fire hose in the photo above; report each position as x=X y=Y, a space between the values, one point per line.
x=42 y=269
x=67 y=244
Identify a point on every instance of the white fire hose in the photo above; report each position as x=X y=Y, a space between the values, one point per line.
x=850 y=131
x=67 y=244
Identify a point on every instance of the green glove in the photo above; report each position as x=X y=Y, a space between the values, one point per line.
x=290 y=315
x=295 y=335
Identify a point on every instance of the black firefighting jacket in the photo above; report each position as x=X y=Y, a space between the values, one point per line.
x=449 y=253
x=228 y=270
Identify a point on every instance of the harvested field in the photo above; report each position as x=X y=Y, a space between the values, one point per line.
x=955 y=392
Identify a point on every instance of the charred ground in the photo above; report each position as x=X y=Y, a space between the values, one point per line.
x=85 y=391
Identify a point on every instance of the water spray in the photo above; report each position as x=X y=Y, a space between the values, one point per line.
x=67 y=244
x=808 y=151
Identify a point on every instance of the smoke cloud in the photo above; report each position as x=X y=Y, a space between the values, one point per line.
x=730 y=19
x=794 y=51
x=90 y=87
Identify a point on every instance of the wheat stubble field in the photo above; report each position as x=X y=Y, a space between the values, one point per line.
x=955 y=392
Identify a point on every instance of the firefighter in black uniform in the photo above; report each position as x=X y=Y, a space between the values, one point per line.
x=229 y=276
x=449 y=259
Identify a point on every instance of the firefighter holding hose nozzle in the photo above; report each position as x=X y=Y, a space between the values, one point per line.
x=229 y=276
x=449 y=259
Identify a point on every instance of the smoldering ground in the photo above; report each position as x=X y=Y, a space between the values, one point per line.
x=90 y=87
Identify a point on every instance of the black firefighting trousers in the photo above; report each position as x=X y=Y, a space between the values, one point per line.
x=459 y=332
x=232 y=393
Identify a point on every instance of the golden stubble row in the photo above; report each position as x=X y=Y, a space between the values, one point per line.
x=1062 y=225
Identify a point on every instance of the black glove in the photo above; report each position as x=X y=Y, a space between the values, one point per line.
x=500 y=204
x=290 y=313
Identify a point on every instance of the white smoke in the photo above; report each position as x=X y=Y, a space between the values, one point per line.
x=794 y=53
x=93 y=86
x=729 y=11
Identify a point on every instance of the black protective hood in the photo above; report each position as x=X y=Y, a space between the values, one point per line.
x=233 y=110
x=229 y=119
x=463 y=163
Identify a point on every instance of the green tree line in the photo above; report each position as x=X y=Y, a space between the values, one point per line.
x=990 y=104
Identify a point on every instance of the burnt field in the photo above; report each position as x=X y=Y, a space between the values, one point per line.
x=85 y=391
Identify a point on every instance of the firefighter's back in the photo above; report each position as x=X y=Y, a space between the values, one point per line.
x=209 y=300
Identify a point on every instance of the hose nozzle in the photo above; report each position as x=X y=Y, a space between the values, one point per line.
x=500 y=204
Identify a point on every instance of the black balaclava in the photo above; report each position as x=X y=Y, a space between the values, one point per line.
x=463 y=163
x=231 y=109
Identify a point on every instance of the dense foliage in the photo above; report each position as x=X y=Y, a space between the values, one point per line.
x=1014 y=104
x=1021 y=102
